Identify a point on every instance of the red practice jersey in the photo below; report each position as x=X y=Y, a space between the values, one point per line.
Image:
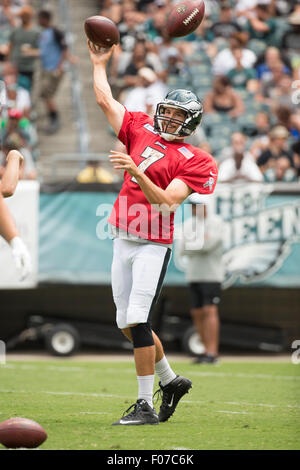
x=161 y=161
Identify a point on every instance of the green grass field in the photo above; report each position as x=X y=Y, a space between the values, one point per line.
x=251 y=406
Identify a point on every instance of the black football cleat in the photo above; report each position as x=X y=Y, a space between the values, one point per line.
x=142 y=413
x=206 y=359
x=171 y=394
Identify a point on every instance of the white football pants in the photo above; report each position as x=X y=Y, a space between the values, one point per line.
x=138 y=271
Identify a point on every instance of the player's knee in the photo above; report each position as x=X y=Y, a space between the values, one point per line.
x=142 y=335
x=126 y=332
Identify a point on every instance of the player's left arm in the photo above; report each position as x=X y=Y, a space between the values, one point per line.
x=11 y=173
x=8 y=229
x=9 y=232
x=169 y=198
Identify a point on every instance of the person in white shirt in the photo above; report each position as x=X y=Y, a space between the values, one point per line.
x=144 y=97
x=12 y=94
x=241 y=167
x=225 y=60
x=239 y=164
x=204 y=272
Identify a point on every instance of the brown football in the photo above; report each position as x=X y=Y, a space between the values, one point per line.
x=21 y=432
x=101 y=31
x=185 y=17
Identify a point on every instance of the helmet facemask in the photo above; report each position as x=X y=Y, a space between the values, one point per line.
x=184 y=101
x=164 y=122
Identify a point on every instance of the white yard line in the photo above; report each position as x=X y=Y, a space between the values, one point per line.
x=235 y=403
x=128 y=357
x=118 y=397
x=80 y=394
x=243 y=376
x=131 y=370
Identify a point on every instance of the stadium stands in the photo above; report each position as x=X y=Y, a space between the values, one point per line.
x=256 y=49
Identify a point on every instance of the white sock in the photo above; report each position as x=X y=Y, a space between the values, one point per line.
x=164 y=371
x=146 y=383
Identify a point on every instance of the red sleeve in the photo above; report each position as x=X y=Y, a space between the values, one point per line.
x=199 y=173
x=132 y=123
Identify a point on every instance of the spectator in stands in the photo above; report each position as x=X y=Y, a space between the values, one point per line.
x=281 y=171
x=238 y=145
x=278 y=147
x=262 y=124
x=226 y=25
x=17 y=123
x=174 y=63
x=14 y=141
x=131 y=31
x=165 y=47
x=12 y=94
x=288 y=118
x=225 y=60
x=291 y=39
x=261 y=134
x=94 y=173
x=296 y=156
x=269 y=88
x=271 y=56
x=242 y=7
x=156 y=24
x=223 y=99
x=261 y=25
x=112 y=10
x=8 y=21
x=53 y=53
x=23 y=46
x=241 y=77
x=145 y=97
x=139 y=59
x=282 y=92
x=241 y=165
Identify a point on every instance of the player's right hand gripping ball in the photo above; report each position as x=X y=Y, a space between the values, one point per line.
x=185 y=17
x=101 y=31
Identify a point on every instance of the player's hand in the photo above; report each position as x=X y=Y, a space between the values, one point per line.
x=122 y=161
x=99 y=55
x=22 y=257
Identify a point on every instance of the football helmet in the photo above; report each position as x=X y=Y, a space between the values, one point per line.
x=187 y=102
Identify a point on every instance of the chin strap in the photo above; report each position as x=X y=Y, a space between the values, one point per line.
x=168 y=137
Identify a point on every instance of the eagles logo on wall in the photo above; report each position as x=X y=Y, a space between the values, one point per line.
x=261 y=235
x=260 y=232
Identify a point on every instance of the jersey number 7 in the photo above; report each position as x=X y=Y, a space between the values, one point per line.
x=151 y=156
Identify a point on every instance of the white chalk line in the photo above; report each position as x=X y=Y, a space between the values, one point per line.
x=120 y=397
x=238 y=403
x=130 y=371
x=80 y=394
x=244 y=376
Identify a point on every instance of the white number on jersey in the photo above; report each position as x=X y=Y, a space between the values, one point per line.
x=151 y=155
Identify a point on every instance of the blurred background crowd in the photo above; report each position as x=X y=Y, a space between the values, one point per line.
x=243 y=62
x=32 y=57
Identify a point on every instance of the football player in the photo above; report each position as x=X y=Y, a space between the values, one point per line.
x=160 y=172
x=8 y=229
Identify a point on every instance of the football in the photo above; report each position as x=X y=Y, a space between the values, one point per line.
x=101 y=31
x=21 y=432
x=185 y=17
